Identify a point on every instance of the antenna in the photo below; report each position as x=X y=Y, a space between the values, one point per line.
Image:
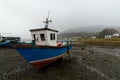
x=48 y=14
x=47 y=20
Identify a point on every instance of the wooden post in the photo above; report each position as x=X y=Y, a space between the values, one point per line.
x=68 y=52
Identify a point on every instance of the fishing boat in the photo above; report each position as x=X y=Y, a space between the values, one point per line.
x=44 y=48
x=7 y=41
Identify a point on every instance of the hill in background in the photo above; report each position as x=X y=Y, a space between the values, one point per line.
x=88 y=29
x=84 y=32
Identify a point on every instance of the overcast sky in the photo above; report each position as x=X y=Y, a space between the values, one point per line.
x=18 y=16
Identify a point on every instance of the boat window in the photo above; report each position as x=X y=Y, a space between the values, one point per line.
x=42 y=37
x=52 y=36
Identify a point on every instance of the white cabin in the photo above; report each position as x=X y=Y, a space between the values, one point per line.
x=44 y=36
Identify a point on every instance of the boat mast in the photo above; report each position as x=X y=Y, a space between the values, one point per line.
x=47 y=20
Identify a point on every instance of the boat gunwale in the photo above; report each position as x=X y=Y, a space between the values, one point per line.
x=37 y=46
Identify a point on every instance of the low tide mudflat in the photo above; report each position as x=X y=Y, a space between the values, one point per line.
x=12 y=65
x=86 y=63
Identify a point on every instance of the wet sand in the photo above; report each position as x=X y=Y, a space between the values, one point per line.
x=85 y=64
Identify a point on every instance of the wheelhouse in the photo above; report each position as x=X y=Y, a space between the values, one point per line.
x=44 y=36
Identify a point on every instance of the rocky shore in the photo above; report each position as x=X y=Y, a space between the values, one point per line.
x=85 y=63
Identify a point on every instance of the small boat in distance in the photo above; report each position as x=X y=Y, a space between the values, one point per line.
x=7 y=41
x=44 y=48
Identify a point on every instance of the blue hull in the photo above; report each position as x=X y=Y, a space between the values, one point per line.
x=41 y=54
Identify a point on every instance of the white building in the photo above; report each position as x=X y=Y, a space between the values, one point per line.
x=116 y=35
x=108 y=36
x=93 y=37
x=44 y=36
x=112 y=36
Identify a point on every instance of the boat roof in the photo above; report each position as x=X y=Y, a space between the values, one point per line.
x=40 y=29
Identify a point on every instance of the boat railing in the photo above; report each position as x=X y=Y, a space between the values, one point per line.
x=65 y=42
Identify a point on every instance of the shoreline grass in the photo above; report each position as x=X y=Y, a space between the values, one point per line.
x=101 y=42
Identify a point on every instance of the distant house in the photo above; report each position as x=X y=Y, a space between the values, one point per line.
x=93 y=37
x=108 y=36
x=115 y=35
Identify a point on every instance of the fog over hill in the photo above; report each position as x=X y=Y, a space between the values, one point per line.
x=89 y=29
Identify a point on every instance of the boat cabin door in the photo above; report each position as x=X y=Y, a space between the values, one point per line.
x=35 y=37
